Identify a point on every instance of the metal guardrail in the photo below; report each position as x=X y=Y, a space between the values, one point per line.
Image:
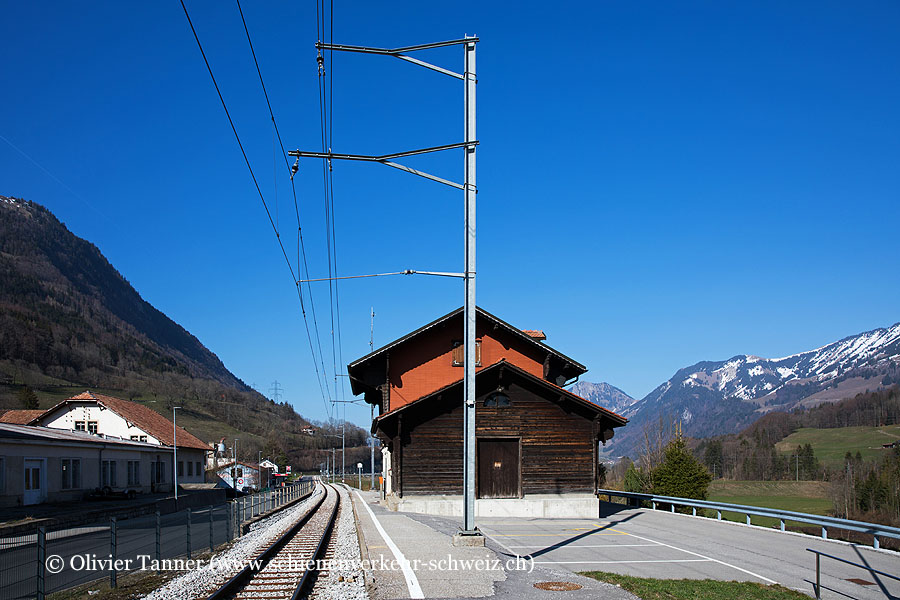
x=818 y=569
x=875 y=530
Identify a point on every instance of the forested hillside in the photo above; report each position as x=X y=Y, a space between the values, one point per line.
x=69 y=321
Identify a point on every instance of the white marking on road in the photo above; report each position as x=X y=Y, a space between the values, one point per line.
x=412 y=583
x=567 y=546
x=766 y=579
x=620 y=562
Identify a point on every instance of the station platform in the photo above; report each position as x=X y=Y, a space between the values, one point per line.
x=436 y=569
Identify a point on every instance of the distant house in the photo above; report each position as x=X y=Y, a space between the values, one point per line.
x=113 y=418
x=239 y=475
x=39 y=464
x=894 y=444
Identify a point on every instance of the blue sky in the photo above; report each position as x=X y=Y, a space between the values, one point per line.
x=658 y=185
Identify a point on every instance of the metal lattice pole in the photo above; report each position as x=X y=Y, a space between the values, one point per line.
x=469 y=399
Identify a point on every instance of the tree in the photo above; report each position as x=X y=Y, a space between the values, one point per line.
x=680 y=474
x=713 y=457
x=636 y=480
x=28 y=399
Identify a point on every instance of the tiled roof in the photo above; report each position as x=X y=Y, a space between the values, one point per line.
x=12 y=431
x=20 y=417
x=535 y=333
x=144 y=418
x=503 y=363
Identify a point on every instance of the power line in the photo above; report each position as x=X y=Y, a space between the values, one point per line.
x=300 y=246
x=247 y=162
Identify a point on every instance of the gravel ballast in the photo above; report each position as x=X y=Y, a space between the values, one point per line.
x=345 y=579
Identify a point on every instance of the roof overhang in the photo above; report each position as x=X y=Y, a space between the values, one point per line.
x=484 y=380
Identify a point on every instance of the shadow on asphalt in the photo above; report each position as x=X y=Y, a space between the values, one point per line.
x=572 y=539
x=874 y=575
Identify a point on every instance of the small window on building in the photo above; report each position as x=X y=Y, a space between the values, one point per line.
x=76 y=473
x=2 y=474
x=66 y=467
x=162 y=472
x=134 y=438
x=459 y=353
x=108 y=473
x=80 y=426
x=190 y=469
x=181 y=468
x=134 y=472
x=92 y=426
x=197 y=468
x=240 y=472
x=143 y=438
x=497 y=399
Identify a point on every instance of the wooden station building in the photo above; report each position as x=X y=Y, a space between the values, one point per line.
x=533 y=437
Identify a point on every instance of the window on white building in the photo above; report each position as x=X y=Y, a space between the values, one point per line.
x=134 y=472
x=71 y=473
x=92 y=426
x=80 y=425
x=108 y=473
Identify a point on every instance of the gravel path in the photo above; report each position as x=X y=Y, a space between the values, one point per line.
x=201 y=582
x=345 y=580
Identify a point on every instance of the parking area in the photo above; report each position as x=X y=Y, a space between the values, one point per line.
x=647 y=543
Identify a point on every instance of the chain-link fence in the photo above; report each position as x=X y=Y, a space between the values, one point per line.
x=47 y=561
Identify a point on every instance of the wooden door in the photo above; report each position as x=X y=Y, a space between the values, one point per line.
x=498 y=468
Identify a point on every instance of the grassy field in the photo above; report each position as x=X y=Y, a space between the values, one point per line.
x=799 y=496
x=830 y=445
x=693 y=589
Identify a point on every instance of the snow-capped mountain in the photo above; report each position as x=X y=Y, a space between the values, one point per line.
x=713 y=398
x=607 y=396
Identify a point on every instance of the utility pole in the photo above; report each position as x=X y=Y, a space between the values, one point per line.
x=343 y=445
x=372 y=462
x=469 y=535
x=175 y=456
x=469 y=340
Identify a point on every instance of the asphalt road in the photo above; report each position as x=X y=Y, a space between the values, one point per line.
x=647 y=543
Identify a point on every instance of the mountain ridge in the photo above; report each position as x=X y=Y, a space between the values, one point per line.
x=602 y=393
x=718 y=397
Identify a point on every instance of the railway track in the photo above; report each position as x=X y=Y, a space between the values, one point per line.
x=281 y=570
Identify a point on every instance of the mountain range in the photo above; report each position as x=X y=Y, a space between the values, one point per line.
x=718 y=397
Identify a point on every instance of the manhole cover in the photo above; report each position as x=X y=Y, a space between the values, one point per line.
x=858 y=581
x=557 y=586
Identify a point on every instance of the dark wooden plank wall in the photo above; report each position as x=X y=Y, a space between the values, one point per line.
x=557 y=445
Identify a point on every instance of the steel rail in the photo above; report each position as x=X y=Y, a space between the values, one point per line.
x=239 y=581
x=822 y=521
x=307 y=578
